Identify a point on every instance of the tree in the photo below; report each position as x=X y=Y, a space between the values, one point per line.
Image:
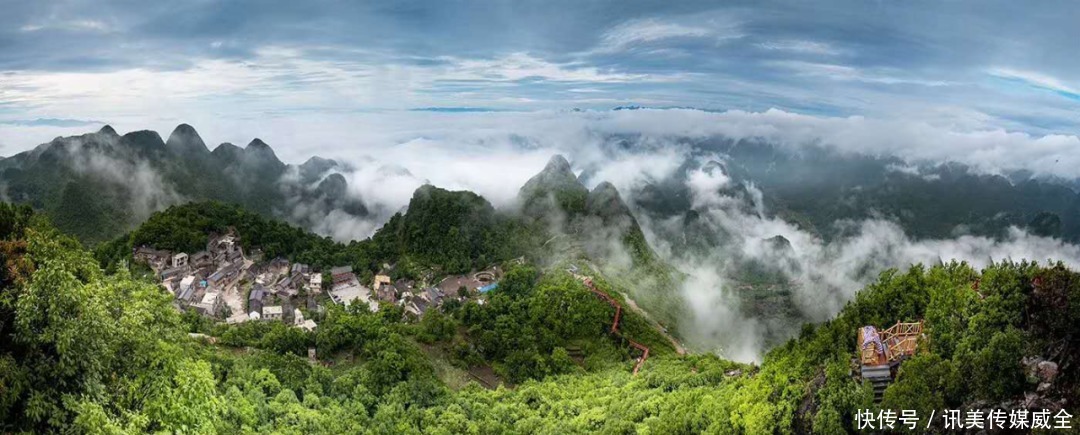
x=437 y=326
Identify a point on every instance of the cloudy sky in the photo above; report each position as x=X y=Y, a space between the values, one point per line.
x=282 y=69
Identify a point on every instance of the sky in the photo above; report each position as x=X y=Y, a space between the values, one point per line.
x=286 y=71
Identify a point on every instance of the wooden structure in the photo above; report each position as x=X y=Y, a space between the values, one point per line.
x=611 y=301
x=615 y=322
x=644 y=354
x=881 y=351
x=891 y=345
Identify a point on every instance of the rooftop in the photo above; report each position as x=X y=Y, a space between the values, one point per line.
x=346 y=294
x=210 y=298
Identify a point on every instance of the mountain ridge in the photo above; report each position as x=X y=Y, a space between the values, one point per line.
x=138 y=172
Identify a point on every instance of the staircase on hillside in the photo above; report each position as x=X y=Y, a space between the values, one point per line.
x=880 y=377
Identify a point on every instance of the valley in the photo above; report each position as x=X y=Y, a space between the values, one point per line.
x=459 y=316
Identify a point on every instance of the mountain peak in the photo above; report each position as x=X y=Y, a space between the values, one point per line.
x=557 y=174
x=558 y=163
x=144 y=139
x=318 y=161
x=333 y=186
x=259 y=154
x=606 y=187
x=226 y=151
x=314 y=168
x=556 y=182
x=108 y=130
x=605 y=201
x=260 y=149
x=184 y=138
x=258 y=144
x=185 y=129
x=779 y=243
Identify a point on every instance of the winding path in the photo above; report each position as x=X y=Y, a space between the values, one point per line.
x=615 y=322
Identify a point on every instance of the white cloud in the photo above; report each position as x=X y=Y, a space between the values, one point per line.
x=1035 y=79
x=913 y=140
x=801 y=46
x=76 y=25
x=493 y=154
x=284 y=79
x=849 y=73
x=517 y=66
x=820 y=276
x=631 y=33
x=297 y=136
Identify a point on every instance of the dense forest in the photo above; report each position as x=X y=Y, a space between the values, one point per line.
x=443 y=232
x=85 y=350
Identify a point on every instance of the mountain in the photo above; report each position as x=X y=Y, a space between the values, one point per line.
x=816 y=187
x=600 y=226
x=141 y=366
x=185 y=141
x=554 y=188
x=555 y=193
x=590 y=217
x=457 y=231
x=99 y=185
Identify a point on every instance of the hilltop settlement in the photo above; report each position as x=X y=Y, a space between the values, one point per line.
x=223 y=282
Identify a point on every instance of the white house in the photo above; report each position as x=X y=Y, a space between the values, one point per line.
x=272 y=312
x=180 y=260
x=185 y=284
x=210 y=304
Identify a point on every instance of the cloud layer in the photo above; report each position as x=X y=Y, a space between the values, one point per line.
x=495 y=153
x=821 y=276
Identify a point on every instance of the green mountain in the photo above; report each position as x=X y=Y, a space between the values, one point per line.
x=100 y=185
x=598 y=226
x=556 y=198
x=453 y=231
x=554 y=188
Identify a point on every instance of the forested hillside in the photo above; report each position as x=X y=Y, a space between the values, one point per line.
x=598 y=225
x=444 y=232
x=84 y=350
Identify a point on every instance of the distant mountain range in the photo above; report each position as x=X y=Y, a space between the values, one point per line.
x=101 y=184
x=817 y=187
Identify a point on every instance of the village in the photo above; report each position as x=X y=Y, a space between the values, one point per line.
x=224 y=283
